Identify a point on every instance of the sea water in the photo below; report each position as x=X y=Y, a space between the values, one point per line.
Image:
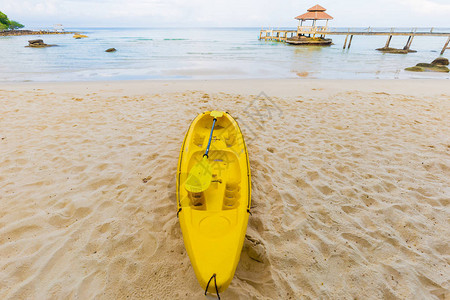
x=207 y=53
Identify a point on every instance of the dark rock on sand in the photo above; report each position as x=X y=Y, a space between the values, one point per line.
x=395 y=50
x=111 y=50
x=38 y=44
x=440 y=61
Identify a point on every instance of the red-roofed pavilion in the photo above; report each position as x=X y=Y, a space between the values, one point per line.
x=315 y=13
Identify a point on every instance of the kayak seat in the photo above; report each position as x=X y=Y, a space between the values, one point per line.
x=197 y=201
x=198 y=139
x=231 y=197
x=230 y=139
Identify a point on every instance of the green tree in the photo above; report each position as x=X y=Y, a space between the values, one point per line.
x=5 y=23
x=4 y=20
x=15 y=25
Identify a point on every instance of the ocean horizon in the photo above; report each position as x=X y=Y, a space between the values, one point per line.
x=208 y=53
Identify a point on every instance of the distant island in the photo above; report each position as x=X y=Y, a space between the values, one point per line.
x=7 y=24
x=10 y=27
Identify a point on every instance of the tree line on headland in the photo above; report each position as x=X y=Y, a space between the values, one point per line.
x=7 y=24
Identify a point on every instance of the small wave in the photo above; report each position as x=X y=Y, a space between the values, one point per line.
x=200 y=53
x=175 y=39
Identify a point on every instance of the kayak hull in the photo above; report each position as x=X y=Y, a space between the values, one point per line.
x=214 y=221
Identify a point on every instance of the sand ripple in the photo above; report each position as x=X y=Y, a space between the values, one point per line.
x=350 y=196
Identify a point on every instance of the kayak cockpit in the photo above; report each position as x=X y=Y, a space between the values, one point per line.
x=224 y=191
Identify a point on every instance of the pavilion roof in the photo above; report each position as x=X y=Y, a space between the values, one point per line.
x=317 y=7
x=316 y=12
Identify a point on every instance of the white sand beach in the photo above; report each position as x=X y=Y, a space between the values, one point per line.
x=350 y=184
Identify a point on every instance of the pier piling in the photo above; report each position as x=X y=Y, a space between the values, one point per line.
x=388 y=42
x=345 y=42
x=409 y=42
x=445 y=46
x=350 y=42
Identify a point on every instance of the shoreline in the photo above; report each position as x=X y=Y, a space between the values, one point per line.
x=32 y=32
x=275 y=87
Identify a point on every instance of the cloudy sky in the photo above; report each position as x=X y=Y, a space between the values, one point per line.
x=236 y=13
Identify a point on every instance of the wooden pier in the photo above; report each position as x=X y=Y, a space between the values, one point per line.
x=276 y=35
x=282 y=35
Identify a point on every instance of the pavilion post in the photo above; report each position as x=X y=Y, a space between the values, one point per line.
x=313 y=29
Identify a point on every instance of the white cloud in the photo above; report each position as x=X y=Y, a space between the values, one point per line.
x=160 y=13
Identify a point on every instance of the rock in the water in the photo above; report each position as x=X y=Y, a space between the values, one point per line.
x=437 y=68
x=395 y=50
x=415 y=69
x=111 y=50
x=79 y=36
x=38 y=44
x=438 y=65
x=440 y=61
x=423 y=67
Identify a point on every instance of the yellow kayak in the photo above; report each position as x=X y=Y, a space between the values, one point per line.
x=213 y=195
